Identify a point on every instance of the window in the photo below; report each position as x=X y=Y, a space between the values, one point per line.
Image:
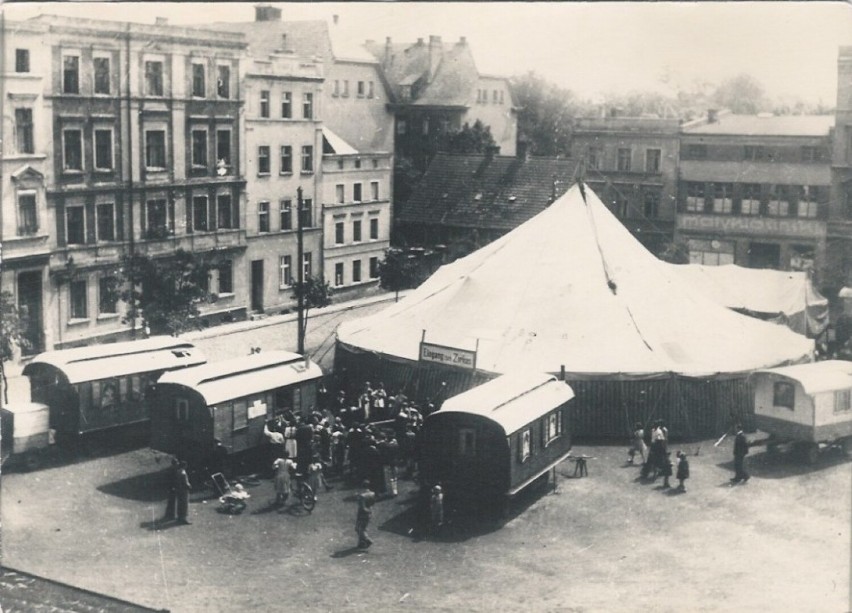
x=107 y=299
x=72 y=150
x=356 y=192
x=696 y=152
x=339 y=193
x=623 y=160
x=182 y=409
x=199 y=148
x=357 y=163
x=105 y=214
x=223 y=147
x=553 y=427
x=808 y=205
x=783 y=395
x=263 y=216
x=287 y=105
x=78 y=298
x=103 y=149
x=779 y=202
x=306 y=264
x=594 y=158
x=374 y=268
x=652 y=160
x=226 y=277
x=223 y=81
x=199 y=81
x=338 y=274
x=750 y=200
x=336 y=91
x=375 y=163
x=224 y=217
x=401 y=126
x=722 y=200
x=264 y=103
x=695 y=196
x=307 y=158
x=652 y=204
x=71 y=74
x=356 y=231
x=75 y=225
x=263 y=160
x=308 y=106
x=157 y=218
x=361 y=89
x=101 y=66
x=345 y=88
x=306 y=218
x=374 y=228
x=155 y=149
x=340 y=164
x=425 y=126
x=812 y=154
x=286 y=159
x=710 y=252
x=27 y=214
x=842 y=400
x=495 y=96
x=374 y=190
x=240 y=414
x=467 y=441
x=199 y=213
x=286 y=214
x=525 y=444
x=154 y=78
x=24 y=130
x=356 y=271
x=22 y=60
x=370 y=90
x=285 y=268
x=339 y=232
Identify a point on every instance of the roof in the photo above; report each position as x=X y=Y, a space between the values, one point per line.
x=339 y=146
x=306 y=39
x=221 y=381
x=572 y=287
x=513 y=400
x=158 y=353
x=481 y=191
x=766 y=125
x=25 y=408
x=817 y=377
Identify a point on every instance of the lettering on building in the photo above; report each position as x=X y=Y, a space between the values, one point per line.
x=749 y=225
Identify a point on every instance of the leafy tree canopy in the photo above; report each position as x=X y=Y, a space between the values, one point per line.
x=397 y=271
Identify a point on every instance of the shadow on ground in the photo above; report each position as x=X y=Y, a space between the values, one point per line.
x=785 y=464
x=149 y=487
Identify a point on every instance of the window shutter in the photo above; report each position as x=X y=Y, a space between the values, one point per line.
x=60 y=223
x=119 y=216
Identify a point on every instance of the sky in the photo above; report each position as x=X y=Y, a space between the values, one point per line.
x=591 y=48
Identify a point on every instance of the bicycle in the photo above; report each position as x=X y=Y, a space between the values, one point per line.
x=304 y=493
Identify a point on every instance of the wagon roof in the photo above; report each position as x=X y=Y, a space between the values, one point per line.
x=513 y=400
x=817 y=377
x=237 y=377
x=119 y=359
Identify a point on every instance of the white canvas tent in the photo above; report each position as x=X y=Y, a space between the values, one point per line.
x=784 y=297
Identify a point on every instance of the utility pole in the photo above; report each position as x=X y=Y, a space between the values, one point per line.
x=300 y=256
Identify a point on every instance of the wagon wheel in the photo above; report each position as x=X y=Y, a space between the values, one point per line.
x=306 y=497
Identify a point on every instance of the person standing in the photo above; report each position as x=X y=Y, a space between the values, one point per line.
x=666 y=469
x=182 y=487
x=366 y=499
x=638 y=443
x=282 y=468
x=682 y=470
x=436 y=509
x=169 y=515
x=740 y=452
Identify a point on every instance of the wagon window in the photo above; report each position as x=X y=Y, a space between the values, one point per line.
x=84 y=390
x=467 y=441
x=784 y=395
x=240 y=415
x=135 y=388
x=283 y=397
x=526 y=441
x=181 y=409
x=553 y=427
x=122 y=389
x=842 y=401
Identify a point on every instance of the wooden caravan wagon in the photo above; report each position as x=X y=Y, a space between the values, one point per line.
x=96 y=388
x=808 y=405
x=492 y=441
x=230 y=401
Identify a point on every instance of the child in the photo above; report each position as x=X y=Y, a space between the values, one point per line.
x=682 y=470
x=638 y=445
x=366 y=499
x=666 y=469
x=436 y=508
x=235 y=501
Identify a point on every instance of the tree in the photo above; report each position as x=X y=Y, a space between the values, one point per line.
x=397 y=271
x=166 y=292
x=742 y=94
x=470 y=139
x=315 y=293
x=12 y=333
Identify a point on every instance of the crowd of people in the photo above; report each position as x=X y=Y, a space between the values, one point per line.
x=653 y=448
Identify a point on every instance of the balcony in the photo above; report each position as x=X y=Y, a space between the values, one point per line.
x=208 y=241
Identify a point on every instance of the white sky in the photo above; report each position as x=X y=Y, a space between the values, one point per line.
x=588 y=47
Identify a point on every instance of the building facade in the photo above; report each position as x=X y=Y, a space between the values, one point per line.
x=142 y=155
x=631 y=163
x=755 y=191
x=839 y=230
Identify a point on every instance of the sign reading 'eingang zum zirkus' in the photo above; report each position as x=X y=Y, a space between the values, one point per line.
x=448 y=356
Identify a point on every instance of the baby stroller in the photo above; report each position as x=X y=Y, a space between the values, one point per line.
x=232 y=499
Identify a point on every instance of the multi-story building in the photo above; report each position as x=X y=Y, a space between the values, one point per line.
x=142 y=156
x=631 y=164
x=839 y=232
x=754 y=190
x=434 y=88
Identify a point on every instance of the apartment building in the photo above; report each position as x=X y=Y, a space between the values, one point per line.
x=838 y=269
x=141 y=142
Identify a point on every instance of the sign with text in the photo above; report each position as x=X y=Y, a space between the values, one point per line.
x=448 y=356
x=752 y=225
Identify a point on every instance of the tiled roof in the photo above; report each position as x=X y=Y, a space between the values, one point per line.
x=769 y=125
x=303 y=38
x=475 y=190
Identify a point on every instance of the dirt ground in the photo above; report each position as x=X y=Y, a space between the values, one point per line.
x=607 y=542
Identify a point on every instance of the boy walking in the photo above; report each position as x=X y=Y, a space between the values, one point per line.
x=682 y=470
x=366 y=499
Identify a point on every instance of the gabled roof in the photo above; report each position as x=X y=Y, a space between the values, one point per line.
x=817 y=377
x=306 y=39
x=475 y=190
x=766 y=125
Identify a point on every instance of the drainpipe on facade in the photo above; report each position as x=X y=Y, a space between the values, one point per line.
x=300 y=256
x=132 y=240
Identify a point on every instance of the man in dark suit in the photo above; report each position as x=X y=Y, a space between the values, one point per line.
x=740 y=452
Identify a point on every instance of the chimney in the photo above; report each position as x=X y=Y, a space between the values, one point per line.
x=161 y=21
x=264 y=12
x=712 y=115
x=388 y=51
x=462 y=41
x=335 y=19
x=436 y=51
x=419 y=42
